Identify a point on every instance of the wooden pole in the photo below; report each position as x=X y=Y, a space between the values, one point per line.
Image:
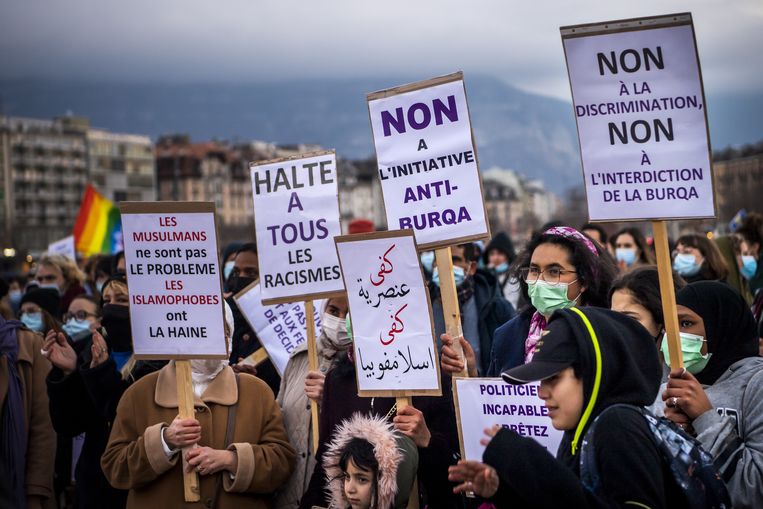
x=256 y=358
x=186 y=410
x=667 y=292
x=413 y=500
x=449 y=297
x=312 y=362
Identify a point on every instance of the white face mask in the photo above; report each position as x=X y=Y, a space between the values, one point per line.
x=335 y=329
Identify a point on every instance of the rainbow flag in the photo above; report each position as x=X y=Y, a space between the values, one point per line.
x=98 y=228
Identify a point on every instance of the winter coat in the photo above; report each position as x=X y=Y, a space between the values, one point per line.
x=86 y=402
x=41 y=441
x=509 y=344
x=341 y=401
x=297 y=419
x=395 y=453
x=632 y=471
x=135 y=459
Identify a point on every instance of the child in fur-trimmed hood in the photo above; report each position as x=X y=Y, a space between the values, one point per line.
x=369 y=465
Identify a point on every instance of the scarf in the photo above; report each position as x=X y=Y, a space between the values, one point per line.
x=13 y=439
x=537 y=324
x=465 y=290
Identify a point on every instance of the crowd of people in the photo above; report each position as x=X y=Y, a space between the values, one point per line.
x=86 y=425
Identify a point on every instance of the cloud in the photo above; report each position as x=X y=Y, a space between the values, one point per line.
x=245 y=40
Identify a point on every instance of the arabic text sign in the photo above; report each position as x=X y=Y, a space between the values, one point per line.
x=641 y=119
x=484 y=402
x=389 y=310
x=296 y=212
x=176 y=306
x=281 y=328
x=427 y=161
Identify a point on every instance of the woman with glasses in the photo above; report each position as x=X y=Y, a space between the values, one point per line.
x=558 y=269
x=718 y=397
x=91 y=370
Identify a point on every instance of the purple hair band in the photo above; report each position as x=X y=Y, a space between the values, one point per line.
x=572 y=233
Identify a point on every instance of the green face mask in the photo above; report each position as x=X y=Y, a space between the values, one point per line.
x=547 y=298
x=691 y=348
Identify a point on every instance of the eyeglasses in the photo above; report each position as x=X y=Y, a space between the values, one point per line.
x=80 y=315
x=551 y=275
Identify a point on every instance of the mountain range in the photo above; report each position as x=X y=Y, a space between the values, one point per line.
x=530 y=133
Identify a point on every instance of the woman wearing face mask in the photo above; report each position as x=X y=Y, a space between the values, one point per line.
x=559 y=268
x=498 y=257
x=299 y=386
x=719 y=394
x=40 y=310
x=60 y=274
x=85 y=386
x=81 y=320
x=696 y=258
x=750 y=232
x=631 y=249
x=236 y=443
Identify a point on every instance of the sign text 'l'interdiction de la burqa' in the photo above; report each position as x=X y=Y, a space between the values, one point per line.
x=427 y=161
x=174 y=277
x=296 y=215
x=389 y=311
x=281 y=328
x=641 y=116
x=484 y=402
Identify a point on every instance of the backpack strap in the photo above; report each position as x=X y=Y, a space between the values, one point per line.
x=229 y=429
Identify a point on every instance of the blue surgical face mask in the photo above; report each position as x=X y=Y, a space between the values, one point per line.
x=749 y=267
x=228 y=269
x=686 y=264
x=33 y=321
x=502 y=268
x=628 y=256
x=99 y=285
x=427 y=260
x=458 y=274
x=15 y=297
x=77 y=330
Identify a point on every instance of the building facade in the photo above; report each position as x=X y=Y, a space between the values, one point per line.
x=122 y=165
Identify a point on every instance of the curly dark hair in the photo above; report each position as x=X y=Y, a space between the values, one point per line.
x=595 y=271
x=643 y=283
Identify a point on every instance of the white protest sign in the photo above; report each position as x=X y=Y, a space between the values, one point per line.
x=427 y=161
x=64 y=247
x=393 y=335
x=296 y=215
x=483 y=402
x=176 y=308
x=641 y=117
x=281 y=328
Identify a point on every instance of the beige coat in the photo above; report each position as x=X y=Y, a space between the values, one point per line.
x=297 y=418
x=135 y=460
x=41 y=439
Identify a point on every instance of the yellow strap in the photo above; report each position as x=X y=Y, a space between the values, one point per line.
x=596 y=381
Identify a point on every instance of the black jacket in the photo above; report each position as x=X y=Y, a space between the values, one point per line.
x=86 y=402
x=341 y=401
x=631 y=467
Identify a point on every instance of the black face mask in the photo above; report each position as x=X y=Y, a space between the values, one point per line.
x=116 y=321
x=238 y=283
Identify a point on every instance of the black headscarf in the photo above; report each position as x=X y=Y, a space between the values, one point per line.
x=631 y=370
x=730 y=328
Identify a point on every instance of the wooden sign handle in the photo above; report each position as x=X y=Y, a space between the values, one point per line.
x=191 y=489
x=312 y=363
x=413 y=501
x=256 y=358
x=667 y=292
x=449 y=298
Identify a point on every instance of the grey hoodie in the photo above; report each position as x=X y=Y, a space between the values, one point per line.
x=733 y=430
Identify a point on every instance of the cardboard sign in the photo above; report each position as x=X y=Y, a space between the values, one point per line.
x=642 y=119
x=427 y=161
x=176 y=304
x=393 y=334
x=296 y=212
x=63 y=247
x=281 y=328
x=484 y=402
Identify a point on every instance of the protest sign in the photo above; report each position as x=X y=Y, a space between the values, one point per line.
x=428 y=162
x=641 y=117
x=63 y=247
x=281 y=328
x=176 y=307
x=393 y=334
x=296 y=215
x=484 y=402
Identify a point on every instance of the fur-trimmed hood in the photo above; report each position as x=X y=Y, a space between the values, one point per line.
x=394 y=458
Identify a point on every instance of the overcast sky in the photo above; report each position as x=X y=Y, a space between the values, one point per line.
x=252 y=40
